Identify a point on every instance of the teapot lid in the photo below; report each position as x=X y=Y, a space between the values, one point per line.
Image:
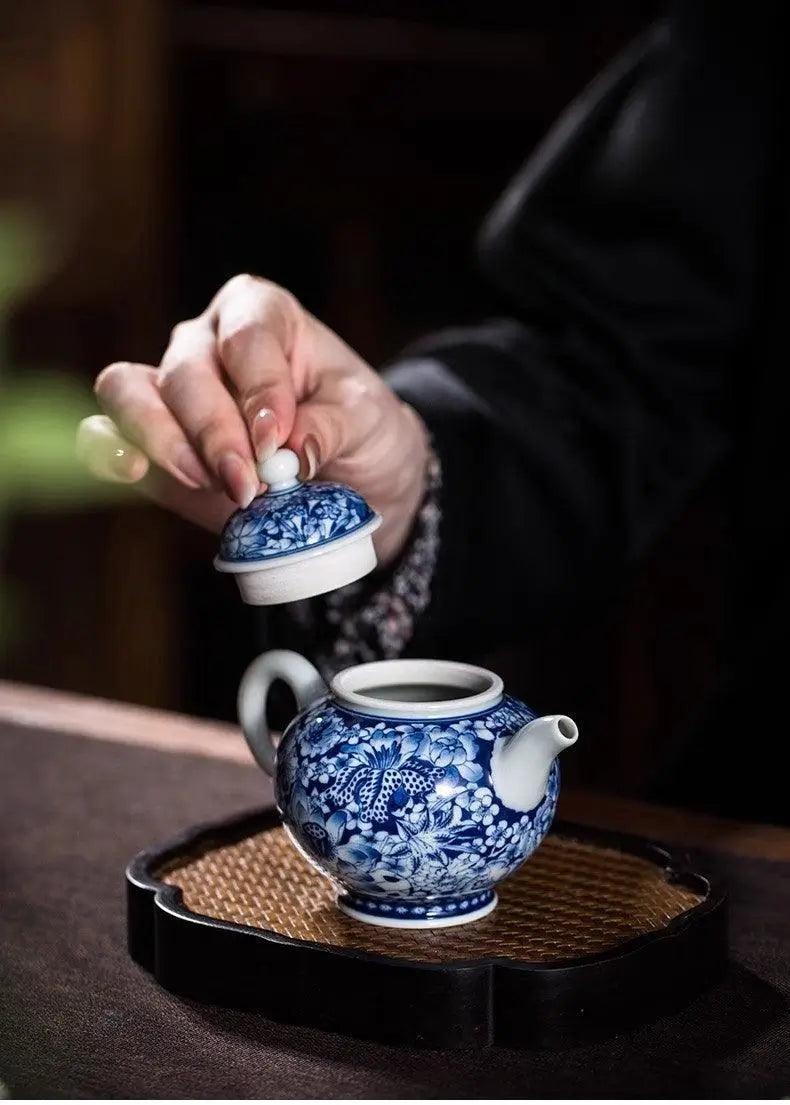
x=298 y=539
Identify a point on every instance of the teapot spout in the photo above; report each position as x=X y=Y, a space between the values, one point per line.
x=521 y=763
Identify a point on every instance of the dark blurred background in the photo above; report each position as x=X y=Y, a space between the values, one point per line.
x=151 y=149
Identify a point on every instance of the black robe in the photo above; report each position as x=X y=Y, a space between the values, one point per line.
x=641 y=250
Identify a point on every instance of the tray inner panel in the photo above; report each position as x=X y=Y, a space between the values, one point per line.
x=570 y=899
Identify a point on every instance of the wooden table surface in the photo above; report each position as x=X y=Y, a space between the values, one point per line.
x=96 y=719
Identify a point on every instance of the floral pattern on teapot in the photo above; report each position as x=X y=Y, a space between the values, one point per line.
x=406 y=810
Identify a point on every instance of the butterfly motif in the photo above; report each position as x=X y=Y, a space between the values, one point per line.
x=375 y=789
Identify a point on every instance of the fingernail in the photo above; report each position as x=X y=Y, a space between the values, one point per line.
x=310 y=460
x=189 y=469
x=237 y=478
x=264 y=434
x=127 y=465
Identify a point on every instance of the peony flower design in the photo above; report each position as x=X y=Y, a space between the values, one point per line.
x=451 y=746
x=320 y=737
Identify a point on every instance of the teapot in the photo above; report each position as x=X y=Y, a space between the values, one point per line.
x=414 y=785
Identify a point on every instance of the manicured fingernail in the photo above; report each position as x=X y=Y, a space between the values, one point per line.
x=238 y=479
x=264 y=434
x=189 y=469
x=310 y=459
x=127 y=465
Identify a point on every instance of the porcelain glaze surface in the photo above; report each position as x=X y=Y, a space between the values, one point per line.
x=403 y=814
x=282 y=523
x=415 y=785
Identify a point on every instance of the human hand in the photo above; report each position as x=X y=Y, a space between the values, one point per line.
x=254 y=372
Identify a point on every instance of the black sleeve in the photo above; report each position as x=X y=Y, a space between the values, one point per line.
x=573 y=431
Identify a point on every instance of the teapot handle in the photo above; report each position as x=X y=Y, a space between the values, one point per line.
x=300 y=675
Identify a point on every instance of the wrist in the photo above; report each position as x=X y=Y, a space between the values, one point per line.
x=376 y=618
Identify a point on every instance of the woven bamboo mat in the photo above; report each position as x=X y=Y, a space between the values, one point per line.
x=570 y=899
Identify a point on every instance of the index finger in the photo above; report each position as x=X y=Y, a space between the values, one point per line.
x=255 y=327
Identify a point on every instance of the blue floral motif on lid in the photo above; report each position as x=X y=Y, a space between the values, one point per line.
x=286 y=522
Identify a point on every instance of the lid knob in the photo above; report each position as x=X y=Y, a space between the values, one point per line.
x=280 y=471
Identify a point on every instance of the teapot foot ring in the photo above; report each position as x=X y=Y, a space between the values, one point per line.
x=428 y=915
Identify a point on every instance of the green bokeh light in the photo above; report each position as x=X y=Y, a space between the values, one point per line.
x=39 y=412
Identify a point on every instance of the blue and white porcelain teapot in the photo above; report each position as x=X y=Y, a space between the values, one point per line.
x=415 y=785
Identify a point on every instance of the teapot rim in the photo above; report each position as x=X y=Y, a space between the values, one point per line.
x=479 y=688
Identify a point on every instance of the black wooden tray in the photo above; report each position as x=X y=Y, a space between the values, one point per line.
x=468 y=986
